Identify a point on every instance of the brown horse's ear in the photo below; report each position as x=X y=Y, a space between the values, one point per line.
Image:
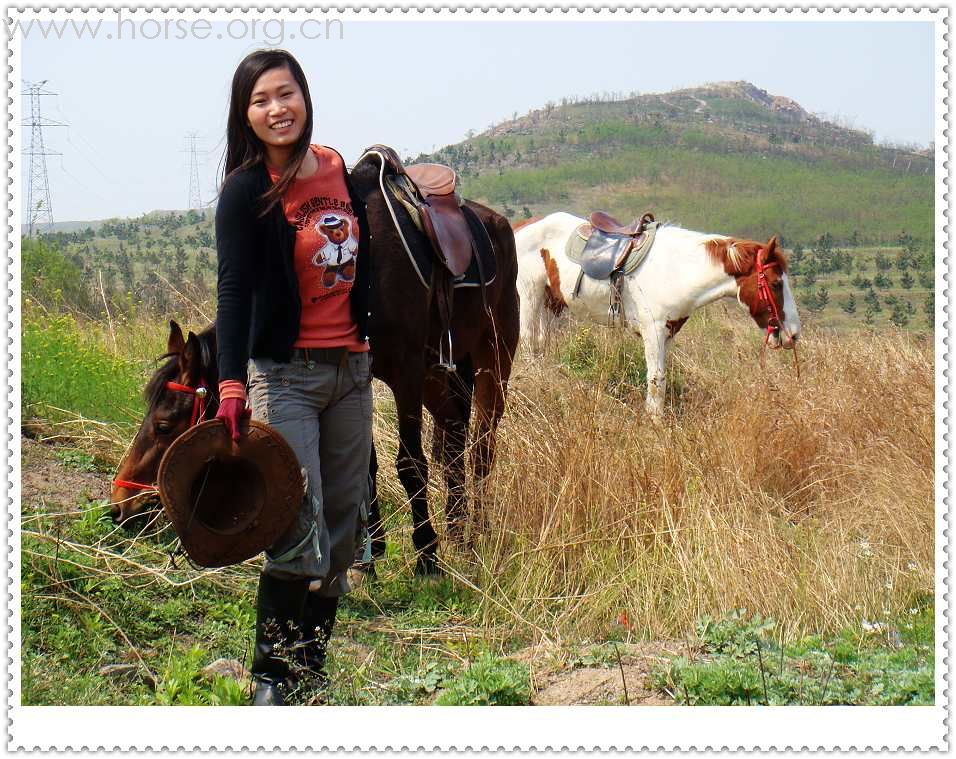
x=175 y=344
x=767 y=253
x=190 y=360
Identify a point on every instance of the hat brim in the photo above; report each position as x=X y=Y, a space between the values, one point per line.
x=229 y=501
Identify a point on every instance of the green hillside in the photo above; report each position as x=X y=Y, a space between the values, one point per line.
x=726 y=158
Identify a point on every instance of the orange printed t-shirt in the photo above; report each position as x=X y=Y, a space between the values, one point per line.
x=326 y=247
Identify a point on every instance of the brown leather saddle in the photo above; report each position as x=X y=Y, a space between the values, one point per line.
x=432 y=190
x=609 y=225
x=429 y=192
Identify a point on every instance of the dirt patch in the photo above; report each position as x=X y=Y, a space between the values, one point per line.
x=45 y=480
x=559 y=680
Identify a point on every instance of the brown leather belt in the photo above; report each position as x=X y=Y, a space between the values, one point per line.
x=334 y=356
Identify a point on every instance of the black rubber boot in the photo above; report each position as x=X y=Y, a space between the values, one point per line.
x=279 y=608
x=317 y=622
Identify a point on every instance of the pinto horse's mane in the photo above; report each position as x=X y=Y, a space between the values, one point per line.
x=739 y=256
x=170 y=370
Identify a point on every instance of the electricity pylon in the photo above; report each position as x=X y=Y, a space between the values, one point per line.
x=195 y=197
x=39 y=207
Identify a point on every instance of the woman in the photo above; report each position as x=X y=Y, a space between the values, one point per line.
x=292 y=244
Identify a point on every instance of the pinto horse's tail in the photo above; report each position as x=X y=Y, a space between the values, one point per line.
x=553 y=299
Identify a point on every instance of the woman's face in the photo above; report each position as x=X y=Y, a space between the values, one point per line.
x=277 y=111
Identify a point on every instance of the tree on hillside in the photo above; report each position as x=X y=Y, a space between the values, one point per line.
x=929 y=308
x=178 y=270
x=882 y=281
x=51 y=279
x=883 y=263
x=847 y=262
x=796 y=256
x=872 y=300
x=869 y=315
x=822 y=299
x=899 y=317
x=906 y=281
x=849 y=305
x=926 y=279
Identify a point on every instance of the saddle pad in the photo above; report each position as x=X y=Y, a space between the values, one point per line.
x=422 y=259
x=596 y=253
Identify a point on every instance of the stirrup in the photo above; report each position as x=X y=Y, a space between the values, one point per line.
x=449 y=365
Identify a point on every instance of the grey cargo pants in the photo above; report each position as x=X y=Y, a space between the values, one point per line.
x=324 y=411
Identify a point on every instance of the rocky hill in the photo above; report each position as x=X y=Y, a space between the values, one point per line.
x=724 y=156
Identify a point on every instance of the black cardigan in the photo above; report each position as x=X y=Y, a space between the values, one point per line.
x=259 y=309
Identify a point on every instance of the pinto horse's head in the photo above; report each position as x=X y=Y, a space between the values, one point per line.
x=172 y=404
x=763 y=286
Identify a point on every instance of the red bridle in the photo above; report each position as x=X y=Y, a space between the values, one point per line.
x=774 y=322
x=765 y=294
x=199 y=394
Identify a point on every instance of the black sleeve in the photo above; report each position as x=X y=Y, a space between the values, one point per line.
x=235 y=248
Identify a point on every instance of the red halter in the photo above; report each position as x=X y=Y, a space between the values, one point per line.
x=199 y=411
x=766 y=296
x=774 y=322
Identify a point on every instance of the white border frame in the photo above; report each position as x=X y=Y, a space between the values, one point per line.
x=380 y=728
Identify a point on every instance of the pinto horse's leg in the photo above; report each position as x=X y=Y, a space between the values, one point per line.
x=655 y=354
x=413 y=471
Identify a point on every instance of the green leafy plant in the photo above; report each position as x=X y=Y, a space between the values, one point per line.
x=489 y=681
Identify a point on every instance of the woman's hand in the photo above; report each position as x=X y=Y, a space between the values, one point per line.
x=232 y=411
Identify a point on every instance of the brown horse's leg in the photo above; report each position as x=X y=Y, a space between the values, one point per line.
x=376 y=530
x=413 y=472
x=492 y=370
x=448 y=399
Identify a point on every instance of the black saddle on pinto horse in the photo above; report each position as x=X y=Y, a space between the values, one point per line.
x=609 y=243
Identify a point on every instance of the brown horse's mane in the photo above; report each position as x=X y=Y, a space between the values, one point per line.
x=168 y=372
x=739 y=256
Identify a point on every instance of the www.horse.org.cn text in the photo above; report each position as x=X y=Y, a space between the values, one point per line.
x=272 y=31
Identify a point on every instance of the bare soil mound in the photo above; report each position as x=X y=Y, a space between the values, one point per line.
x=44 y=479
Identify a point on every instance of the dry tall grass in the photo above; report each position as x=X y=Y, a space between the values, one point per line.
x=807 y=500
x=810 y=501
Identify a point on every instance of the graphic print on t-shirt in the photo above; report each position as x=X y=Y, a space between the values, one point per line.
x=336 y=258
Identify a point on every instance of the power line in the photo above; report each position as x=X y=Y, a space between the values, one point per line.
x=39 y=206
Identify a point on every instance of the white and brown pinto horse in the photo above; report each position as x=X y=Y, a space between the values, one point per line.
x=683 y=271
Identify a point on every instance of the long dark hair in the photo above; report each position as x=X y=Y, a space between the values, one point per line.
x=243 y=148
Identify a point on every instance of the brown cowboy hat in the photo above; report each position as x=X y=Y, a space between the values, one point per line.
x=229 y=501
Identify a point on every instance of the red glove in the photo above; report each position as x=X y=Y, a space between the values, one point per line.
x=232 y=411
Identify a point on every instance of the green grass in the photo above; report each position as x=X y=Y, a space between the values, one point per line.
x=614 y=362
x=882 y=663
x=65 y=374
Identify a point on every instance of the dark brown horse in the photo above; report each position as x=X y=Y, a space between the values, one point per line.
x=404 y=335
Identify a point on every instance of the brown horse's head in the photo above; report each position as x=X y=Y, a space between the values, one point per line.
x=747 y=261
x=191 y=363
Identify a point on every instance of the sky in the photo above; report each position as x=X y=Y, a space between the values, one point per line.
x=419 y=85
